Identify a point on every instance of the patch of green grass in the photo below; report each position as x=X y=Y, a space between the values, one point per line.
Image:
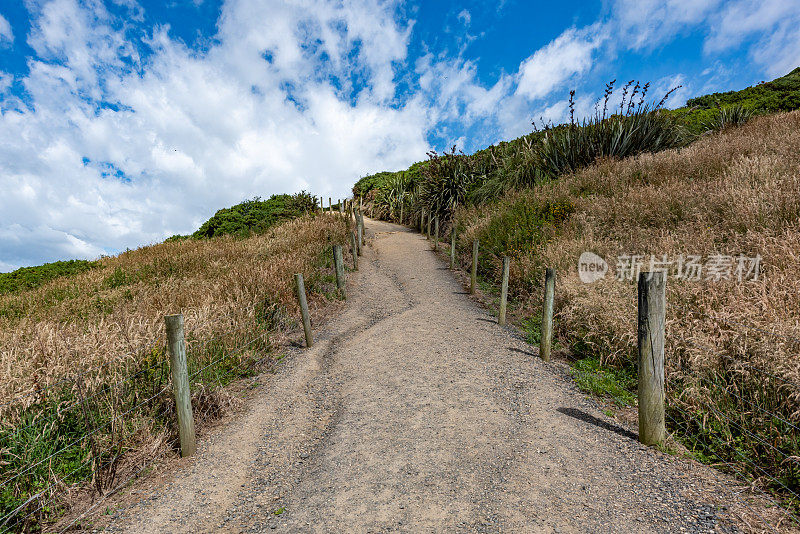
x=279 y=511
x=616 y=384
x=532 y=327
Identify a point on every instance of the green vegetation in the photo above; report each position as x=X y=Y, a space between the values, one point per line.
x=33 y=277
x=255 y=216
x=73 y=437
x=81 y=413
x=781 y=94
x=602 y=381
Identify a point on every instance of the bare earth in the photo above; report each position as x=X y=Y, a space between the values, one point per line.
x=415 y=412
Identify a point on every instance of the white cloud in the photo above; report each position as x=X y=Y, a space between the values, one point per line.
x=729 y=25
x=776 y=25
x=6 y=34
x=186 y=133
x=111 y=150
x=567 y=55
x=650 y=23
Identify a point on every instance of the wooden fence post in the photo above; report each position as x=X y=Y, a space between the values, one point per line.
x=473 y=275
x=501 y=318
x=422 y=221
x=360 y=231
x=436 y=233
x=428 y=226
x=401 y=213
x=301 y=297
x=652 y=309
x=452 y=248
x=338 y=262
x=355 y=250
x=546 y=339
x=176 y=345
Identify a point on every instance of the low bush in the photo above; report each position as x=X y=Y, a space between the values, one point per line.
x=32 y=277
x=256 y=216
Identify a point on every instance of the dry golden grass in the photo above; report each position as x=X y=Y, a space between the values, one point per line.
x=84 y=379
x=737 y=192
x=97 y=322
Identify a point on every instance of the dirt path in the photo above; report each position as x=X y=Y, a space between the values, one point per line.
x=415 y=412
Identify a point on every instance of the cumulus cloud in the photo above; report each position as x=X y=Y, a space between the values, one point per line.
x=126 y=135
x=117 y=151
x=567 y=55
x=774 y=23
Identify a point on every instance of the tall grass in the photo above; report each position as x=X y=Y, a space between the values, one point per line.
x=83 y=370
x=733 y=349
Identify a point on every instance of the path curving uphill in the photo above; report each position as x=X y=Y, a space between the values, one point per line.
x=415 y=412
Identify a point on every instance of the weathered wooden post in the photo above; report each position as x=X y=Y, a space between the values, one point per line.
x=401 y=213
x=428 y=226
x=422 y=221
x=355 y=250
x=436 y=233
x=330 y=205
x=176 y=345
x=452 y=247
x=473 y=275
x=301 y=298
x=546 y=340
x=501 y=317
x=338 y=262
x=360 y=232
x=652 y=310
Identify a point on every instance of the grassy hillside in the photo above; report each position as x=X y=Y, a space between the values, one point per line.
x=733 y=360
x=83 y=371
x=490 y=172
x=713 y=183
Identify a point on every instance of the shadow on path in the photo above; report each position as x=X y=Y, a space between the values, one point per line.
x=525 y=352
x=587 y=418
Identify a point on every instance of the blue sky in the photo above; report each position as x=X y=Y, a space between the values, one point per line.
x=125 y=121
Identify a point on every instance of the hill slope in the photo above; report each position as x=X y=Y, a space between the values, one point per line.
x=721 y=204
x=509 y=164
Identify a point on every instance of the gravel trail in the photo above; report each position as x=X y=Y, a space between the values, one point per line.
x=416 y=412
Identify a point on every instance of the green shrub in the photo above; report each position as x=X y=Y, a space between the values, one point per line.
x=635 y=128
x=32 y=277
x=256 y=216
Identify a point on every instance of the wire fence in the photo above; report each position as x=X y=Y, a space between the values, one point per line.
x=84 y=436
x=741 y=423
x=62 y=449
